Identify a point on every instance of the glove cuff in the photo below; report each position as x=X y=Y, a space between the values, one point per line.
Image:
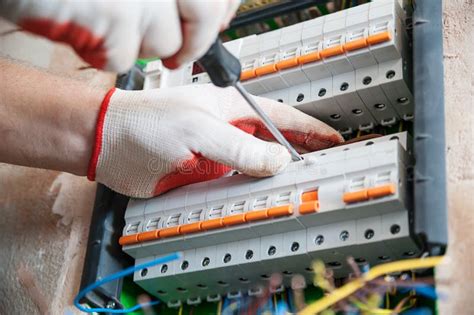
x=91 y=172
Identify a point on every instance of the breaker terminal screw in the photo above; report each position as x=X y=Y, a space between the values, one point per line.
x=344 y=236
x=390 y=74
x=164 y=268
x=144 y=272
x=367 y=80
x=184 y=265
x=322 y=92
x=295 y=246
x=369 y=233
x=402 y=100
x=319 y=240
x=344 y=86
x=111 y=304
x=227 y=258
x=272 y=250
x=249 y=254
x=379 y=106
x=395 y=229
x=205 y=262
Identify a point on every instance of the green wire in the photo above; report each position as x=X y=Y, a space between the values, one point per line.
x=323 y=9
x=272 y=24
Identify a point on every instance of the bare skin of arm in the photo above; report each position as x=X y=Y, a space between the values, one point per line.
x=46 y=121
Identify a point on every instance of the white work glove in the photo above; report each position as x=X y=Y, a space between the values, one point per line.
x=148 y=142
x=112 y=34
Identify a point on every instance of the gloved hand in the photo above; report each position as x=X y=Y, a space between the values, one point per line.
x=112 y=35
x=148 y=142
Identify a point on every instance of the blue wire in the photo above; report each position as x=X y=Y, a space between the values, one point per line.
x=118 y=275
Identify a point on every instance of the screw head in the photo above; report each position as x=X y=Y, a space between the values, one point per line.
x=367 y=80
x=206 y=261
x=295 y=246
x=164 y=268
x=344 y=236
x=335 y=116
x=369 y=233
x=272 y=250
x=357 y=111
x=379 y=106
x=300 y=97
x=395 y=229
x=184 y=265
x=110 y=304
x=318 y=240
x=322 y=92
x=144 y=272
x=402 y=100
x=344 y=86
x=227 y=258
x=249 y=254
x=390 y=74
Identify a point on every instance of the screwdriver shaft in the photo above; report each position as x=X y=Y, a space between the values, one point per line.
x=267 y=122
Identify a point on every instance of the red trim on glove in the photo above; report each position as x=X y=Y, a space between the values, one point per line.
x=195 y=170
x=311 y=141
x=200 y=169
x=87 y=45
x=98 y=135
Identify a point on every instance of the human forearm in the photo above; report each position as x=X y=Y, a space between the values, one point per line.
x=46 y=121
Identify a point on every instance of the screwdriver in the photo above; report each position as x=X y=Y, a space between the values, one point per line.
x=224 y=70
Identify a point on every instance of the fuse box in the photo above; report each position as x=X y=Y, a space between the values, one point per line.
x=360 y=70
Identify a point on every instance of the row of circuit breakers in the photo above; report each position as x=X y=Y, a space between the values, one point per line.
x=349 y=69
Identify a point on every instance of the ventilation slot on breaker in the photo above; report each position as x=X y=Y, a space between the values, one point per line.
x=133 y=228
x=260 y=203
x=216 y=212
x=173 y=220
x=195 y=216
x=383 y=178
x=283 y=198
x=238 y=207
x=153 y=224
x=357 y=183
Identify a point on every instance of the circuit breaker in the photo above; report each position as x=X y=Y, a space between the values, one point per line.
x=358 y=70
x=235 y=231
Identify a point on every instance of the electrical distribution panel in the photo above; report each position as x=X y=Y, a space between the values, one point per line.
x=350 y=69
x=236 y=231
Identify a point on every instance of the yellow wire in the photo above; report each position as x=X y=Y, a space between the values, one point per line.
x=180 y=312
x=375 y=272
x=219 y=307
